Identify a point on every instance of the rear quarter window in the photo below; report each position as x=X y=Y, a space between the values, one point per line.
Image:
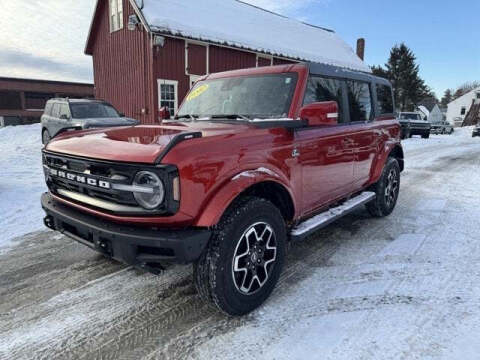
x=385 y=99
x=359 y=100
x=56 y=110
x=48 y=109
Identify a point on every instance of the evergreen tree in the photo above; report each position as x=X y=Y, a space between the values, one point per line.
x=403 y=72
x=380 y=72
x=447 y=97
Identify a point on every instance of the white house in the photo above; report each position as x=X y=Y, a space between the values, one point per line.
x=458 y=109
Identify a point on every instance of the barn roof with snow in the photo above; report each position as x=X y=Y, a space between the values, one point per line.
x=240 y=25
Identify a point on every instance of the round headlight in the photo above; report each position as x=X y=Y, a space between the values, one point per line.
x=153 y=192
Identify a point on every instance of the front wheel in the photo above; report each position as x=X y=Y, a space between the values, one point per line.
x=387 y=190
x=244 y=259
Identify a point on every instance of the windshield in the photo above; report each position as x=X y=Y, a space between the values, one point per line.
x=264 y=96
x=93 y=110
x=410 y=116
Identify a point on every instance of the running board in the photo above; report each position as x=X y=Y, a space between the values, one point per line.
x=319 y=221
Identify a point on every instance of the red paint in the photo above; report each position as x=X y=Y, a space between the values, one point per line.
x=333 y=162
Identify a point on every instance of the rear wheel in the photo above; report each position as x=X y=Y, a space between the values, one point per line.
x=426 y=136
x=45 y=137
x=244 y=259
x=387 y=190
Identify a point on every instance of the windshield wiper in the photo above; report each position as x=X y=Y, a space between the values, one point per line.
x=231 y=116
x=190 y=117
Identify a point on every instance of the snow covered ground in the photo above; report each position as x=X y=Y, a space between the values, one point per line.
x=21 y=181
x=403 y=287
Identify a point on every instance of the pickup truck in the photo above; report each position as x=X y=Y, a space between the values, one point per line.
x=413 y=124
x=253 y=159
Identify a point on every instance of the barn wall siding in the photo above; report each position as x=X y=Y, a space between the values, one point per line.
x=169 y=64
x=120 y=61
x=224 y=59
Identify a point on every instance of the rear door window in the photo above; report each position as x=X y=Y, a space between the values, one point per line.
x=385 y=99
x=359 y=100
x=64 y=111
x=321 y=89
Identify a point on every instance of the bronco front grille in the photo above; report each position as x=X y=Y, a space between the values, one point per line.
x=96 y=179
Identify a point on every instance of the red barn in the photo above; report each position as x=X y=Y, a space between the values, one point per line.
x=148 y=53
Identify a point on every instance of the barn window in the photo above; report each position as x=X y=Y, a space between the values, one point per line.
x=264 y=60
x=10 y=100
x=116 y=15
x=463 y=110
x=168 y=95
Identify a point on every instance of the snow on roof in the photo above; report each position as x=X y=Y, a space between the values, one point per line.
x=424 y=110
x=241 y=25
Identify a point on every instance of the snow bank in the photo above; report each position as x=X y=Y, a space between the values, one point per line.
x=242 y=25
x=417 y=142
x=21 y=181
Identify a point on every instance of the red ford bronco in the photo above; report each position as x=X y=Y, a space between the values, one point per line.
x=252 y=160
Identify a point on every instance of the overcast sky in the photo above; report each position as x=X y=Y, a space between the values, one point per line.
x=45 y=39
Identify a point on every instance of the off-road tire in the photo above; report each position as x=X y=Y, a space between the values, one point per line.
x=379 y=206
x=45 y=137
x=426 y=136
x=213 y=274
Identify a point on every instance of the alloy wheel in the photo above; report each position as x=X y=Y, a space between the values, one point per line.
x=254 y=258
x=391 y=191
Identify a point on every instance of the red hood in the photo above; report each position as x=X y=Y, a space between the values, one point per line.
x=140 y=144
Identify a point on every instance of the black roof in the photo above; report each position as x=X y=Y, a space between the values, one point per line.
x=338 y=72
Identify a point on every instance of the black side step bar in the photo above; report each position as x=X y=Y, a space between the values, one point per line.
x=306 y=228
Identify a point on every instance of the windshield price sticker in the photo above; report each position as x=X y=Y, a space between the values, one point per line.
x=197 y=92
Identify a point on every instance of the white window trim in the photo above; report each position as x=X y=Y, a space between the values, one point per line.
x=262 y=56
x=194 y=79
x=119 y=18
x=168 y=82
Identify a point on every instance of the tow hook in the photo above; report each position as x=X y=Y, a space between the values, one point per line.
x=49 y=222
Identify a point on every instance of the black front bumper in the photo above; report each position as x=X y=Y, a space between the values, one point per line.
x=138 y=246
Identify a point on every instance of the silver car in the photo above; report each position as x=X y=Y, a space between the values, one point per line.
x=442 y=128
x=77 y=114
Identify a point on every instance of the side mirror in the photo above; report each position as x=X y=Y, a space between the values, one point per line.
x=64 y=117
x=320 y=113
x=122 y=115
x=163 y=113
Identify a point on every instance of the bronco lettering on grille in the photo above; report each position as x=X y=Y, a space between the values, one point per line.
x=81 y=179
